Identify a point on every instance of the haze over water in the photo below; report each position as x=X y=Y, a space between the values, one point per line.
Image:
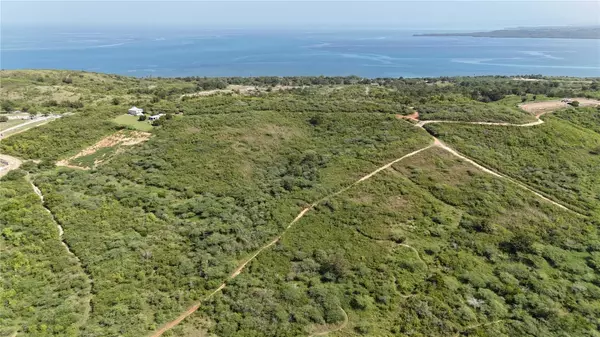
x=369 y=53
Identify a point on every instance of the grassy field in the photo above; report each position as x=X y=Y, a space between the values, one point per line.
x=132 y=121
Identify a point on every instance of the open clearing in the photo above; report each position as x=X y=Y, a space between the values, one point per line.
x=132 y=121
x=8 y=163
x=103 y=149
x=538 y=108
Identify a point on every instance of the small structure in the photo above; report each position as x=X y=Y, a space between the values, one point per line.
x=155 y=117
x=135 y=111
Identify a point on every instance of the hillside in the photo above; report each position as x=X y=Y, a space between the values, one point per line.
x=533 y=33
x=300 y=206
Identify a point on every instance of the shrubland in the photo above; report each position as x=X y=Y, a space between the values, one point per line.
x=433 y=247
x=429 y=247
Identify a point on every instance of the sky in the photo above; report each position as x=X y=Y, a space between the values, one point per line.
x=418 y=15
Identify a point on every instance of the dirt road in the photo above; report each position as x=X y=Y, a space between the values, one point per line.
x=536 y=108
x=441 y=145
x=21 y=127
x=541 y=108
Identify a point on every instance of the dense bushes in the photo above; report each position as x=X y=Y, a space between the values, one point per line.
x=43 y=290
x=62 y=137
x=457 y=280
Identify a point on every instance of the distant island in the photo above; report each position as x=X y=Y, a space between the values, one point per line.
x=533 y=32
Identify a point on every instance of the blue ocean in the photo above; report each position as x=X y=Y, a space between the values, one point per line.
x=242 y=52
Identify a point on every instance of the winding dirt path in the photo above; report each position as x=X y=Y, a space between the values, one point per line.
x=243 y=265
x=441 y=145
x=532 y=108
x=416 y=252
x=538 y=109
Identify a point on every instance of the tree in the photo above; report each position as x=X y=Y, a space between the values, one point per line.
x=33 y=114
x=574 y=103
x=115 y=101
x=142 y=118
x=7 y=106
x=315 y=120
x=169 y=116
x=3 y=119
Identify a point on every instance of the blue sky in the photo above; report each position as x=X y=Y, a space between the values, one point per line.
x=437 y=15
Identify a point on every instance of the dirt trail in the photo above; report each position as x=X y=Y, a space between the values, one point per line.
x=413 y=116
x=532 y=107
x=241 y=267
x=88 y=298
x=416 y=252
x=441 y=145
x=338 y=328
x=536 y=108
x=537 y=122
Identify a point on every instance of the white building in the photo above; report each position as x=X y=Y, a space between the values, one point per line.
x=135 y=111
x=155 y=117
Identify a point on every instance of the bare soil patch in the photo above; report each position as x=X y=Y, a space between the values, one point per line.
x=539 y=108
x=8 y=163
x=120 y=138
x=413 y=117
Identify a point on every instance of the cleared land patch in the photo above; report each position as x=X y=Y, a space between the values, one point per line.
x=102 y=150
x=538 y=108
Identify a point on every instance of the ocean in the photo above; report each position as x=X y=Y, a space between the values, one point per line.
x=239 y=52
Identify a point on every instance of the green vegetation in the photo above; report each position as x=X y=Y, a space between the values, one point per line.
x=483 y=251
x=43 y=290
x=60 y=138
x=429 y=247
x=555 y=157
x=470 y=111
x=134 y=122
x=174 y=224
